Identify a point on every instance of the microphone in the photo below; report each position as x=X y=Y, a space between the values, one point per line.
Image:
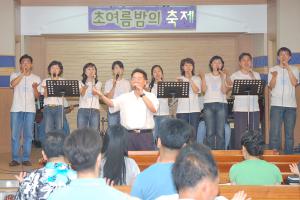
x=93 y=81
x=117 y=76
x=151 y=84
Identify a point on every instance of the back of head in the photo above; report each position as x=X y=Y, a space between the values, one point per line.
x=253 y=142
x=115 y=147
x=194 y=164
x=53 y=144
x=174 y=133
x=82 y=147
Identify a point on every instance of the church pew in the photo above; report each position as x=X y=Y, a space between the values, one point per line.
x=280 y=192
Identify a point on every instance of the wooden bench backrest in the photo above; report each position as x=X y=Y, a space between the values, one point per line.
x=255 y=192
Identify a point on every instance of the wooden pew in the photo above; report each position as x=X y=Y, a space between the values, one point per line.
x=280 y=192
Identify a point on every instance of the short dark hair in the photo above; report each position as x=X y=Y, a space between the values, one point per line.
x=242 y=55
x=187 y=61
x=25 y=56
x=138 y=70
x=284 y=49
x=213 y=59
x=115 y=149
x=174 y=133
x=194 y=163
x=82 y=147
x=59 y=64
x=53 y=144
x=117 y=62
x=253 y=142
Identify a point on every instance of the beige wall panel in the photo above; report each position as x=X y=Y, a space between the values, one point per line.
x=137 y=52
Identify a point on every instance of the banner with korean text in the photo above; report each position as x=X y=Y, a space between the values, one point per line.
x=142 y=18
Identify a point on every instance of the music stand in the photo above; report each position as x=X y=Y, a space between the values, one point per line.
x=248 y=87
x=62 y=88
x=173 y=89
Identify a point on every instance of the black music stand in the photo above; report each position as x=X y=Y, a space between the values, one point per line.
x=248 y=87
x=173 y=89
x=62 y=88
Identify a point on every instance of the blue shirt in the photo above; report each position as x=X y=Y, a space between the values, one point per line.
x=82 y=188
x=154 y=182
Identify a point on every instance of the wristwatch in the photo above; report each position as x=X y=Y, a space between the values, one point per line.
x=142 y=95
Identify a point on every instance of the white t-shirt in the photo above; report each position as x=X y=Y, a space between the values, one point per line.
x=191 y=104
x=163 y=108
x=245 y=103
x=283 y=94
x=213 y=92
x=89 y=100
x=24 y=100
x=122 y=86
x=132 y=170
x=134 y=112
x=50 y=100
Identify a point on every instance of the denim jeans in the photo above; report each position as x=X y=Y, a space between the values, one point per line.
x=158 y=119
x=88 y=118
x=42 y=133
x=113 y=118
x=201 y=133
x=53 y=118
x=191 y=118
x=286 y=115
x=21 y=122
x=215 y=116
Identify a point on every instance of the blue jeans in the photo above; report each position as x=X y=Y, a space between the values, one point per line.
x=21 y=122
x=158 y=120
x=53 y=118
x=201 y=133
x=215 y=115
x=113 y=118
x=88 y=118
x=191 y=118
x=286 y=115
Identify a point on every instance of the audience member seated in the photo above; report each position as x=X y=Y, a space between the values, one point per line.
x=295 y=170
x=195 y=175
x=40 y=183
x=116 y=166
x=253 y=170
x=83 y=150
x=157 y=180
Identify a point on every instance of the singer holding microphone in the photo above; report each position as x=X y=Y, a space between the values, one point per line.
x=188 y=109
x=52 y=105
x=114 y=88
x=88 y=113
x=136 y=110
x=162 y=113
x=215 y=103
x=22 y=113
x=244 y=105
x=282 y=80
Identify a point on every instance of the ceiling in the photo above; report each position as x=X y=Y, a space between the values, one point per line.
x=136 y=2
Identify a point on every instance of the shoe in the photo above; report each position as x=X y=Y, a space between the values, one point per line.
x=26 y=163
x=13 y=163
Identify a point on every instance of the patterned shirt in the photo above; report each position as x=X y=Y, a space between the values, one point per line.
x=40 y=183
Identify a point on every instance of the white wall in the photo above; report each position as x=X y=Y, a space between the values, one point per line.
x=7 y=24
x=212 y=18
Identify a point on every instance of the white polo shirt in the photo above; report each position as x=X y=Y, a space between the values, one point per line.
x=122 y=86
x=24 y=100
x=283 y=94
x=191 y=104
x=245 y=103
x=134 y=112
x=50 y=100
x=214 y=92
x=163 y=108
x=89 y=100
